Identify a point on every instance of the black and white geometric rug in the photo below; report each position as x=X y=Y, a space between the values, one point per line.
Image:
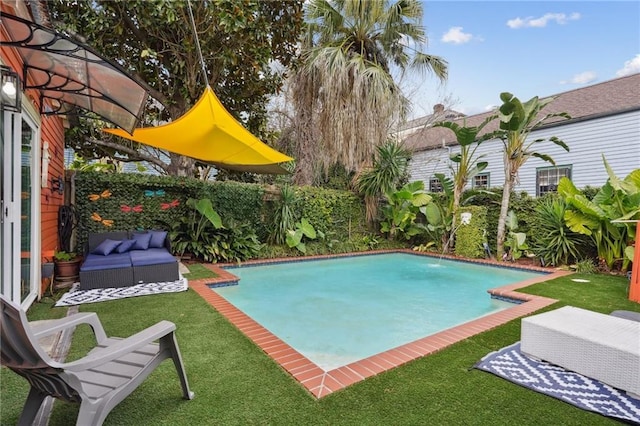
x=75 y=296
x=583 y=392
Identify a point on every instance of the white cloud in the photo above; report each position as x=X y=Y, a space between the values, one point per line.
x=559 y=18
x=582 y=78
x=456 y=36
x=630 y=67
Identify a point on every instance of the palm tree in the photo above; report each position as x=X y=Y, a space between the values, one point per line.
x=349 y=94
x=517 y=120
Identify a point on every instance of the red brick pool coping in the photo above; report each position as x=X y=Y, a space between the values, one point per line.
x=322 y=383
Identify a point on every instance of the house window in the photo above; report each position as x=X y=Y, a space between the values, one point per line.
x=435 y=185
x=480 y=181
x=547 y=178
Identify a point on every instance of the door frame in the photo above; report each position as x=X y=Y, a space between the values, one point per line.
x=10 y=252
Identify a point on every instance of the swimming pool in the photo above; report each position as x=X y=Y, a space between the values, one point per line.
x=338 y=311
x=321 y=383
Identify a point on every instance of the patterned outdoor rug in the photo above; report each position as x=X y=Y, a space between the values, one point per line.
x=75 y=296
x=583 y=392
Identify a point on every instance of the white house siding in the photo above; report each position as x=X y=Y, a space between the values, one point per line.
x=617 y=137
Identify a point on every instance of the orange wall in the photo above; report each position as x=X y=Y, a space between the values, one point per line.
x=52 y=131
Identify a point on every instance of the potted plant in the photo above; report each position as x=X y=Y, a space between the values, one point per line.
x=67 y=266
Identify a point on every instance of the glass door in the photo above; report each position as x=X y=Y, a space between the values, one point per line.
x=28 y=257
x=19 y=247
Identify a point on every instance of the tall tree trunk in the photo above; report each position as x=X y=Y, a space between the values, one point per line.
x=180 y=165
x=457 y=192
x=305 y=150
x=504 y=207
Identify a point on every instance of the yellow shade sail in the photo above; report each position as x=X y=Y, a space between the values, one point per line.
x=207 y=132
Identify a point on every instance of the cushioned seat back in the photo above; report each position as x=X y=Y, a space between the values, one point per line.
x=96 y=238
x=21 y=353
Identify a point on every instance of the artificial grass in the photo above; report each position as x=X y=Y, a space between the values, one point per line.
x=198 y=271
x=237 y=384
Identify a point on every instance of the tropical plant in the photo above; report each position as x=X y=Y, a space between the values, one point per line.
x=202 y=234
x=64 y=256
x=439 y=214
x=283 y=217
x=465 y=163
x=402 y=210
x=389 y=170
x=345 y=78
x=303 y=229
x=585 y=266
x=600 y=218
x=234 y=243
x=191 y=233
x=515 y=241
x=370 y=241
x=555 y=243
x=517 y=121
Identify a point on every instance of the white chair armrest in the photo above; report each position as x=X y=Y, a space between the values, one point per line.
x=122 y=347
x=91 y=318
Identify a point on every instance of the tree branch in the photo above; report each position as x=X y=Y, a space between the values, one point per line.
x=134 y=154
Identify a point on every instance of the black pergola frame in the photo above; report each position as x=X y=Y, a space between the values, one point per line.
x=75 y=74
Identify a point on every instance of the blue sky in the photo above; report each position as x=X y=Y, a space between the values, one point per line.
x=528 y=48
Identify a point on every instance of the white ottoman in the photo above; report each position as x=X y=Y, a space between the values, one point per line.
x=596 y=345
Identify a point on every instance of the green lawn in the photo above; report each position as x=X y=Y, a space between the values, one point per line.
x=236 y=383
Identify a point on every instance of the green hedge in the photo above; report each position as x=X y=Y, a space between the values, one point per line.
x=469 y=238
x=339 y=214
x=125 y=201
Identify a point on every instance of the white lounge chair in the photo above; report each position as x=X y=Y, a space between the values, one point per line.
x=100 y=380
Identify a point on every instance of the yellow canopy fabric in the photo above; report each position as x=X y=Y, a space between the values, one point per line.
x=209 y=133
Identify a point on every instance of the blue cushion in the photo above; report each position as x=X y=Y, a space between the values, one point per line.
x=96 y=262
x=106 y=247
x=157 y=239
x=152 y=256
x=125 y=246
x=142 y=241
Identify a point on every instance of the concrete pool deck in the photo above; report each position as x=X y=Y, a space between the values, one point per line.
x=322 y=383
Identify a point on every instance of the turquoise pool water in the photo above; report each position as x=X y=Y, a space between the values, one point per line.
x=337 y=311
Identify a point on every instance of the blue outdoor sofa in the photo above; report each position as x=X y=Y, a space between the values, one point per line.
x=122 y=259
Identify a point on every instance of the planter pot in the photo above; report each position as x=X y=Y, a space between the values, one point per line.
x=67 y=271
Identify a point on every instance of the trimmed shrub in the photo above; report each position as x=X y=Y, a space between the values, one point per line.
x=469 y=238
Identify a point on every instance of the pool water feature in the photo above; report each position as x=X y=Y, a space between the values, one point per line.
x=337 y=311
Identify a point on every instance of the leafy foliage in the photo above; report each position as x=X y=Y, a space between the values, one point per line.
x=389 y=171
x=555 y=243
x=154 y=41
x=585 y=266
x=402 y=210
x=617 y=200
x=302 y=230
x=147 y=202
x=516 y=241
x=283 y=216
x=466 y=164
x=517 y=121
x=338 y=213
x=202 y=234
x=345 y=77
x=192 y=232
x=469 y=237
